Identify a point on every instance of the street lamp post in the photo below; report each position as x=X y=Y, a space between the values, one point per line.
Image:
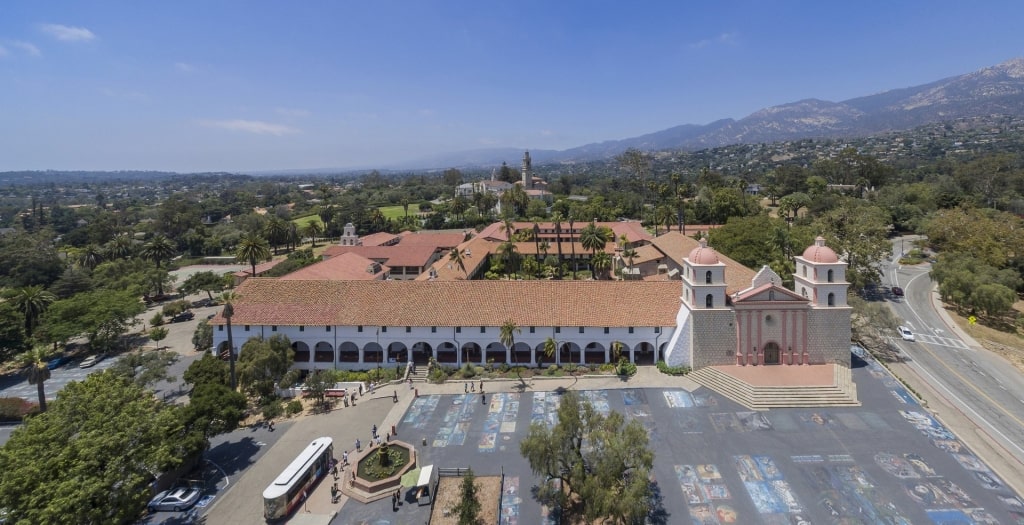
x=381 y=350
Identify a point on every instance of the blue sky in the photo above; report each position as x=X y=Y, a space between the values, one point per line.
x=231 y=85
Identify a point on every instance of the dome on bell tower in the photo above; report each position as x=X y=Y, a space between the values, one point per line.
x=703 y=254
x=819 y=253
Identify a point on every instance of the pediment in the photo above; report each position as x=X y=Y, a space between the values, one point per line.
x=769 y=293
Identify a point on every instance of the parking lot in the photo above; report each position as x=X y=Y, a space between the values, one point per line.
x=716 y=462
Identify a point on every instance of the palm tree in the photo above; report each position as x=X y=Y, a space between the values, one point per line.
x=507 y=250
x=455 y=256
x=508 y=338
x=31 y=301
x=601 y=261
x=38 y=372
x=572 y=244
x=550 y=346
x=90 y=256
x=293 y=237
x=228 y=313
x=120 y=247
x=557 y=219
x=592 y=238
x=158 y=248
x=629 y=254
x=252 y=249
x=314 y=228
x=276 y=231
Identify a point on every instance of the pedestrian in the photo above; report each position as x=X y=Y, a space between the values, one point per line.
x=344 y=457
x=394 y=501
x=387 y=438
x=358 y=444
x=472 y=386
x=394 y=397
x=465 y=387
x=410 y=383
x=373 y=431
x=483 y=399
x=481 y=385
x=334 y=471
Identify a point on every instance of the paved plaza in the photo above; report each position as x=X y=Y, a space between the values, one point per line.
x=886 y=462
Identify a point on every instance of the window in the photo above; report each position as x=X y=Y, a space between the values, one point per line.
x=384 y=329
x=630 y=329
x=707 y=277
x=359 y=328
x=606 y=329
x=533 y=329
x=433 y=329
x=709 y=301
x=220 y=328
x=581 y=329
x=458 y=329
x=805 y=271
x=558 y=329
x=302 y=328
x=831 y=298
x=829 y=278
x=408 y=329
x=328 y=328
x=246 y=328
x=483 y=329
x=273 y=328
x=657 y=329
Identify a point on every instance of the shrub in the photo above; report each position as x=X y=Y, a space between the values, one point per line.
x=272 y=409
x=504 y=367
x=626 y=368
x=467 y=371
x=553 y=370
x=16 y=408
x=293 y=407
x=570 y=368
x=439 y=374
x=157 y=319
x=672 y=370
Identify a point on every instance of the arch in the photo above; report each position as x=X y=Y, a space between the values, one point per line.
x=471 y=353
x=661 y=351
x=568 y=353
x=348 y=352
x=496 y=353
x=522 y=354
x=222 y=351
x=624 y=352
x=831 y=298
x=323 y=352
x=373 y=353
x=804 y=266
x=707 y=277
x=643 y=354
x=772 y=353
x=421 y=352
x=397 y=352
x=595 y=353
x=447 y=352
x=542 y=360
x=830 y=276
x=709 y=301
x=301 y=350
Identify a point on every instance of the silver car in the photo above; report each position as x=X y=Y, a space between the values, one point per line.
x=905 y=333
x=175 y=499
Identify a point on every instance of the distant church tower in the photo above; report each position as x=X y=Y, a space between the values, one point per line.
x=349 y=237
x=527 y=172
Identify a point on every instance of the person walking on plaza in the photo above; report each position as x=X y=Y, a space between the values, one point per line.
x=465 y=387
x=481 y=385
x=344 y=458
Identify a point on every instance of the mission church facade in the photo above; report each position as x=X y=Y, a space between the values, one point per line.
x=719 y=313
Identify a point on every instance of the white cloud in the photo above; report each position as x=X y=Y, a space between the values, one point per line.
x=250 y=126
x=292 y=112
x=184 y=67
x=68 y=33
x=728 y=39
x=27 y=47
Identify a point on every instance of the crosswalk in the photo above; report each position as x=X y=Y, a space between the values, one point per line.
x=941 y=341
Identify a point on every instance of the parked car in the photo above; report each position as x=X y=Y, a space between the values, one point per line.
x=905 y=333
x=202 y=303
x=177 y=499
x=897 y=291
x=183 y=316
x=57 y=362
x=90 y=361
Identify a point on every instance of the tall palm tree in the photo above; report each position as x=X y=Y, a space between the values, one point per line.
x=252 y=249
x=550 y=346
x=31 y=301
x=593 y=238
x=509 y=329
x=90 y=256
x=456 y=256
x=120 y=247
x=536 y=238
x=38 y=373
x=557 y=219
x=293 y=237
x=572 y=244
x=629 y=254
x=276 y=231
x=228 y=313
x=314 y=228
x=158 y=249
x=507 y=250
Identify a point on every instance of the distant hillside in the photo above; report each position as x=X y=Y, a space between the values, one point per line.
x=993 y=90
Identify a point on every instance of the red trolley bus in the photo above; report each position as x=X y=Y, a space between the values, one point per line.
x=291 y=487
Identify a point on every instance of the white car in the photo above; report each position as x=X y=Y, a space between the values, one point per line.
x=90 y=361
x=905 y=333
x=177 y=499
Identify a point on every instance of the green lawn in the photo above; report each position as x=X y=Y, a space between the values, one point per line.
x=303 y=221
x=398 y=212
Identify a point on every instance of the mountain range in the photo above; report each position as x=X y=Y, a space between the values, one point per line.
x=993 y=90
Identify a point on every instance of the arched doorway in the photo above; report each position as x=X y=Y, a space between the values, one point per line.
x=421 y=353
x=521 y=354
x=301 y=350
x=471 y=353
x=594 y=354
x=373 y=354
x=496 y=353
x=348 y=352
x=447 y=353
x=323 y=353
x=397 y=353
x=771 y=354
x=569 y=353
x=643 y=354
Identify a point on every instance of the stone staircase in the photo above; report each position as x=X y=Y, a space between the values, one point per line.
x=418 y=374
x=841 y=393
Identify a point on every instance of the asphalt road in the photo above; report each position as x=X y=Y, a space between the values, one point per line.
x=980 y=384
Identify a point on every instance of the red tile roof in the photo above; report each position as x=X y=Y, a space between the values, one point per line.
x=455 y=303
x=377 y=239
x=393 y=256
x=347 y=266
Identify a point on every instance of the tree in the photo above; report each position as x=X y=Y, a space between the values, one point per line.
x=276 y=231
x=90 y=256
x=468 y=507
x=509 y=329
x=92 y=456
x=600 y=465
x=313 y=229
x=262 y=363
x=145 y=368
x=158 y=249
x=31 y=301
x=550 y=347
x=157 y=334
x=12 y=332
x=252 y=249
x=228 y=313
x=601 y=262
x=456 y=256
x=208 y=282
x=208 y=369
x=858 y=232
x=557 y=219
x=37 y=373
x=317 y=384
x=100 y=315
x=507 y=251
x=593 y=238
x=202 y=338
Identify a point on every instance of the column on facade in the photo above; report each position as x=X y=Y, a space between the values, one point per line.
x=786 y=350
x=803 y=344
x=760 y=341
